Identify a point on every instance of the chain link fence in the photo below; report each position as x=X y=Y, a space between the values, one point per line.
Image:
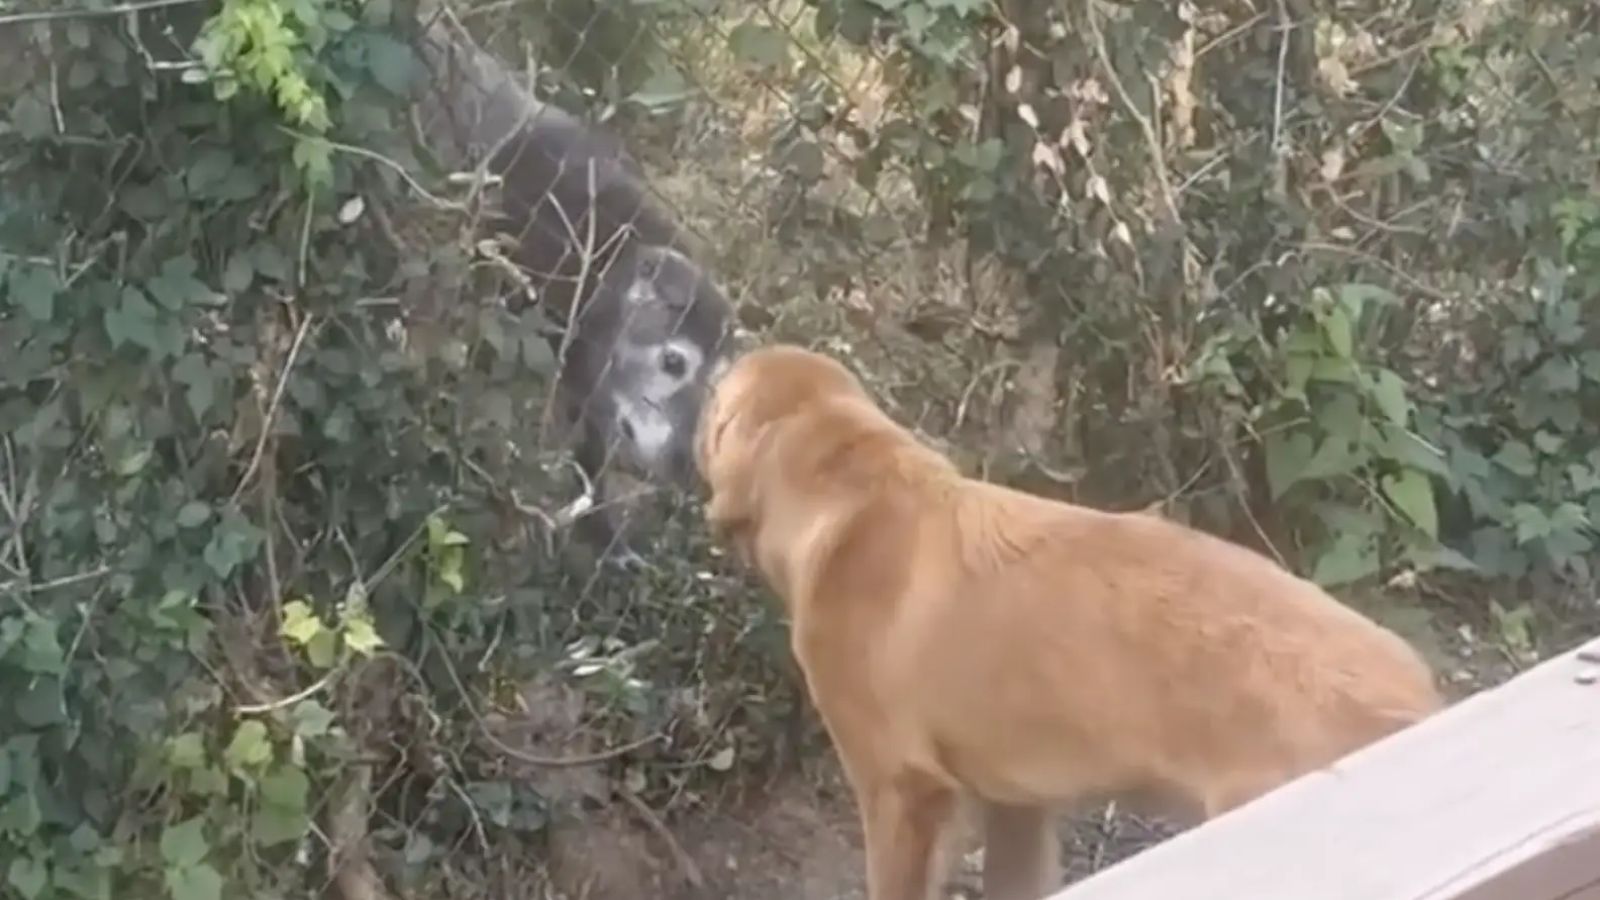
x=744 y=137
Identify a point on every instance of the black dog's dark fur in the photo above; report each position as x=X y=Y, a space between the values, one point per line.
x=648 y=325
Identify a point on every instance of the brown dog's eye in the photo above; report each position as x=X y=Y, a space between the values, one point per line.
x=673 y=363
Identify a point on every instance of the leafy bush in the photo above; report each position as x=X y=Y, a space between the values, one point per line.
x=261 y=420
x=1272 y=244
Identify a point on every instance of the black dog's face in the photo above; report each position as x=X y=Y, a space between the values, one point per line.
x=671 y=340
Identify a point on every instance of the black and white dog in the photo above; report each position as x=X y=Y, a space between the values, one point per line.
x=648 y=325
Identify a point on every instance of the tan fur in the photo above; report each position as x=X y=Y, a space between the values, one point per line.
x=963 y=639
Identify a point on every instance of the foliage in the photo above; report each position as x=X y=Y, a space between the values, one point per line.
x=1523 y=442
x=153 y=252
x=1234 y=228
x=259 y=414
x=1338 y=428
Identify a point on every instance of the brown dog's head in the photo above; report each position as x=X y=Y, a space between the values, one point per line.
x=759 y=389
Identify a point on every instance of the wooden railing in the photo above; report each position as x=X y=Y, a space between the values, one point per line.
x=1495 y=798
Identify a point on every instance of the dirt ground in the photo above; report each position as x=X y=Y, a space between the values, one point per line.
x=797 y=839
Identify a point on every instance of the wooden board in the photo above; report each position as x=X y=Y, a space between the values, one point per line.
x=1495 y=798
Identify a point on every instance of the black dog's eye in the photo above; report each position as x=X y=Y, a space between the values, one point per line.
x=673 y=363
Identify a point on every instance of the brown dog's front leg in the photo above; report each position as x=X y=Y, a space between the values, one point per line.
x=1020 y=856
x=905 y=818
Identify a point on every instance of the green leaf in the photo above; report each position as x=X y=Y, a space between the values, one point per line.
x=1341 y=416
x=21 y=816
x=1354 y=298
x=41 y=650
x=42 y=703
x=321 y=650
x=806 y=161
x=198 y=882
x=441 y=534
x=1343 y=519
x=285 y=787
x=664 y=88
x=1402 y=446
x=35 y=288
x=537 y=355
x=1348 y=559
x=89 y=882
x=194 y=514
x=28 y=876
x=1333 y=370
x=133 y=321
x=450 y=571
x=176 y=287
x=759 y=44
x=184 y=844
x=133 y=462
x=1337 y=456
x=208 y=167
x=238 y=274
x=1297 y=370
x=30 y=116
x=1531 y=522
x=1548 y=442
x=274 y=825
x=186 y=751
x=250 y=747
x=1559 y=374
x=314 y=157
x=208 y=781
x=1569 y=515
x=1591 y=365
x=1412 y=493
x=233 y=541
x=1441 y=557
x=391 y=63
x=311 y=719
x=300 y=622
x=270 y=262
x=1389 y=392
x=1569 y=551
x=195 y=373
x=1336 y=326
x=1517 y=458
x=11 y=631
x=419 y=849
x=360 y=636
x=1584 y=480
x=1515 y=625
x=493 y=798
x=1286 y=459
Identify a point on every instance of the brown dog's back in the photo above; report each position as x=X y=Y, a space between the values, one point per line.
x=1152 y=655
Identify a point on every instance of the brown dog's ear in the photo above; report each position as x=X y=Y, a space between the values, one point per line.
x=732 y=477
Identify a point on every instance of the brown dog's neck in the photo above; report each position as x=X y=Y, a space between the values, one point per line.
x=861 y=450
x=836 y=465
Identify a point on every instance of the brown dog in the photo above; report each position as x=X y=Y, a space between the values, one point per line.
x=963 y=639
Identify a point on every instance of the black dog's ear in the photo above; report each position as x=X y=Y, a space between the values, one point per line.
x=649 y=262
x=641 y=267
